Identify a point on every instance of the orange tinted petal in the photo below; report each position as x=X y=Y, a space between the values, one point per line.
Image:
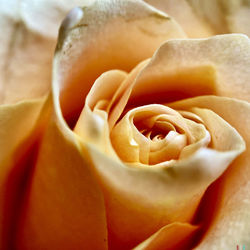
x=185 y=68
x=226 y=205
x=91 y=42
x=20 y=125
x=64 y=207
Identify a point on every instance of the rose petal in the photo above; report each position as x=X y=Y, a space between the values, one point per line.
x=192 y=24
x=64 y=207
x=133 y=146
x=91 y=126
x=185 y=68
x=45 y=16
x=15 y=141
x=173 y=236
x=224 y=16
x=91 y=42
x=29 y=32
x=239 y=20
x=228 y=221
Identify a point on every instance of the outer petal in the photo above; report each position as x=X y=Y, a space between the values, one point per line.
x=226 y=205
x=194 y=25
x=64 y=207
x=106 y=35
x=185 y=68
x=15 y=142
x=28 y=38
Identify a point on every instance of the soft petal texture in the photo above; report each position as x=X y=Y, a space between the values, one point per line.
x=225 y=16
x=239 y=19
x=28 y=38
x=201 y=18
x=228 y=219
x=63 y=207
x=104 y=36
x=173 y=236
x=133 y=145
x=15 y=142
x=185 y=68
x=192 y=24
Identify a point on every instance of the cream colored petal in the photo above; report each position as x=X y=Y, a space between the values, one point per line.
x=28 y=38
x=229 y=219
x=213 y=12
x=120 y=99
x=173 y=236
x=20 y=125
x=194 y=25
x=225 y=16
x=92 y=125
x=126 y=132
x=129 y=150
x=64 y=207
x=239 y=20
x=185 y=68
x=45 y=16
x=170 y=152
x=106 y=35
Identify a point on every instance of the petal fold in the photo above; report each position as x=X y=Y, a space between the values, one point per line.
x=20 y=127
x=225 y=207
x=186 y=68
x=64 y=206
x=29 y=34
x=173 y=236
x=91 y=42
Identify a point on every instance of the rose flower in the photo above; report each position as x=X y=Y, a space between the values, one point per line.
x=142 y=142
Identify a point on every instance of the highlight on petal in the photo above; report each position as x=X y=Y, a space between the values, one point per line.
x=193 y=25
x=103 y=36
x=29 y=33
x=173 y=236
x=185 y=68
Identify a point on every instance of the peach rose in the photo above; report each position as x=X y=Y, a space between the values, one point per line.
x=142 y=142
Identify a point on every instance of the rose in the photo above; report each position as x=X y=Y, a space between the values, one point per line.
x=51 y=189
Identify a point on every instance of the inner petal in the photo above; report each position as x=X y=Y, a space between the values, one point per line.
x=155 y=133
